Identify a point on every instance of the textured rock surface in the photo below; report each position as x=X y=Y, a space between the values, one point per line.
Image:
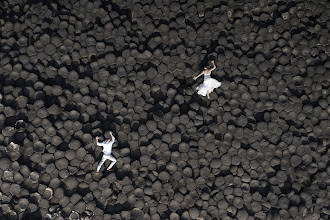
x=71 y=70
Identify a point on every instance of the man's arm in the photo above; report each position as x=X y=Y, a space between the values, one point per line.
x=97 y=141
x=112 y=137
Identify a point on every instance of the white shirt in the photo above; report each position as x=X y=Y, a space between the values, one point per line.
x=107 y=146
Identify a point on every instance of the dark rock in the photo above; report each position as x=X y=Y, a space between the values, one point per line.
x=54 y=110
x=295 y=160
x=174 y=216
x=226 y=159
x=61 y=163
x=242 y=121
x=39 y=146
x=8 y=131
x=137 y=214
x=75 y=144
x=71 y=184
x=281 y=176
x=164 y=176
x=194 y=213
x=54 y=184
x=50 y=48
x=66 y=211
x=4 y=163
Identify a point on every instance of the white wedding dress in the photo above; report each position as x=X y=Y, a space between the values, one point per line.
x=208 y=85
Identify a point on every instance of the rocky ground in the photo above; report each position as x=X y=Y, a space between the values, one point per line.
x=74 y=70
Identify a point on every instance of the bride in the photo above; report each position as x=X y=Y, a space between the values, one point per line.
x=209 y=83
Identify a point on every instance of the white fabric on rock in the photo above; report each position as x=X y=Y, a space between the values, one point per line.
x=208 y=85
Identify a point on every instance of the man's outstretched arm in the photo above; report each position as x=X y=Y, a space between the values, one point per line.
x=97 y=138
x=112 y=137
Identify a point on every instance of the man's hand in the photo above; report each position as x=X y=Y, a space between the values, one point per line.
x=195 y=78
x=212 y=61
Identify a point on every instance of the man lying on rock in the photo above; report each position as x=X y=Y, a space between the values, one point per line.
x=107 y=147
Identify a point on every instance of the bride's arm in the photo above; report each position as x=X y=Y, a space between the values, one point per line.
x=214 y=66
x=202 y=73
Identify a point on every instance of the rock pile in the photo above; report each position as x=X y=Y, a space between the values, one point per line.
x=71 y=70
